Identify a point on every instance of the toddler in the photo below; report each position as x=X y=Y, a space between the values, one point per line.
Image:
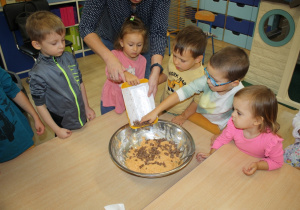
x=56 y=83
x=221 y=81
x=132 y=41
x=292 y=152
x=184 y=66
x=16 y=133
x=253 y=129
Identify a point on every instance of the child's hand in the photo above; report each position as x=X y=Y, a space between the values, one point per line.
x=150 y=117
x=202 y=156
x=90 y=114
x=63 y=133
x=39 y=127
x=250 y=169
x=131 y=79
x=179 y=120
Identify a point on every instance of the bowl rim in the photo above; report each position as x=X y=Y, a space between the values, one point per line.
x=155 y=175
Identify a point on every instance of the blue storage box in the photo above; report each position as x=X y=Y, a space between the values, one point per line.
x=251 y=28
x=247 y=2
x=235 y=38
x=249 y=43
x=218 y=6
x=241 y=11
x=238 y=25
x=214 y=30
x=254 y=14
x=219 y=20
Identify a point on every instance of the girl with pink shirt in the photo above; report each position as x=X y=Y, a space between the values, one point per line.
x=132 y=41
x=253 y=128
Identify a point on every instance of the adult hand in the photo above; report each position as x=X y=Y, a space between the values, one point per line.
x=115 y=69
x=153 y=81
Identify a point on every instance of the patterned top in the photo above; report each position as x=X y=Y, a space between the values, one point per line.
x=105 y=17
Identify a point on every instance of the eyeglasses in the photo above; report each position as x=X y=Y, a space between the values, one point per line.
x=213 y=82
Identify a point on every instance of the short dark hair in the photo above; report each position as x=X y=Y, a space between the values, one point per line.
x=132 y=24
x=41 y=23
x=264 y=104
x=232 y=60
x=191 y=38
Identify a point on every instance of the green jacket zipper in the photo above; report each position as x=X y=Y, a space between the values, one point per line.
x=71 y=88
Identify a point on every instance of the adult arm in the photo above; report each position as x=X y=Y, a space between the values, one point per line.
x=154 y=76
x=158 y=37
x=114 y=66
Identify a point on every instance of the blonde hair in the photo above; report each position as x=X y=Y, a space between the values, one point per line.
x=132 y=25
x=264 y=104
x=42 y=23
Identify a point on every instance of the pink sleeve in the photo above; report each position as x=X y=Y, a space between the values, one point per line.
x=226 y=135
x=274 y=153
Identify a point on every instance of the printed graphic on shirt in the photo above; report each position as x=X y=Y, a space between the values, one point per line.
x=175 y=84
x=7 y=128
x=75 y=74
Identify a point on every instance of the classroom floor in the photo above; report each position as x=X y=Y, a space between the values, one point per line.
x=92 y=68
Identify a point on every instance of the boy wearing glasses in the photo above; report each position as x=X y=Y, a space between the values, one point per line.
x=184 y=66
x=222 y=80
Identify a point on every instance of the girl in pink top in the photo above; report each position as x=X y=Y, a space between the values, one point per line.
x=131 y=42
x=253 y=128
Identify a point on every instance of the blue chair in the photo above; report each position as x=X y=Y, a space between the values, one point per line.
x=209 y=17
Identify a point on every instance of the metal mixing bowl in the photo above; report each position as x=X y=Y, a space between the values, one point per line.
x=125 y=138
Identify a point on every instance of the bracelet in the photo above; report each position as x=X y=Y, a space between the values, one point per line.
x=157 y=64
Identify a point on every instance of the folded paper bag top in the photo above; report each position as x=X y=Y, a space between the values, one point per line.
x=137 y=102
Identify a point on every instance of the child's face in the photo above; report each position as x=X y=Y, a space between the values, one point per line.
x=53 y=44
x=185 y=61
x=242 y=115
x=219 y=78
x=132 y=45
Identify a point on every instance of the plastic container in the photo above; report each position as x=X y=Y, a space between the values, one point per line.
x=137 y=102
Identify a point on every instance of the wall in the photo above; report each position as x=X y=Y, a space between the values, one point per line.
x=273 y=66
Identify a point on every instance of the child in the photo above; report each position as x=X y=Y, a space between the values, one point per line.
x=292 y=152
x=223 y=74
x=55 y=81
x=16 y=133
x=131 y=42
x=185 y=65
x=253 y=128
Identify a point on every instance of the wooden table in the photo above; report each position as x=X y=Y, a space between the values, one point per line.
x=78 y=173
x=219 y=183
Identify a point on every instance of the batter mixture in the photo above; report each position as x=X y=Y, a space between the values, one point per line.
x=153 y=156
